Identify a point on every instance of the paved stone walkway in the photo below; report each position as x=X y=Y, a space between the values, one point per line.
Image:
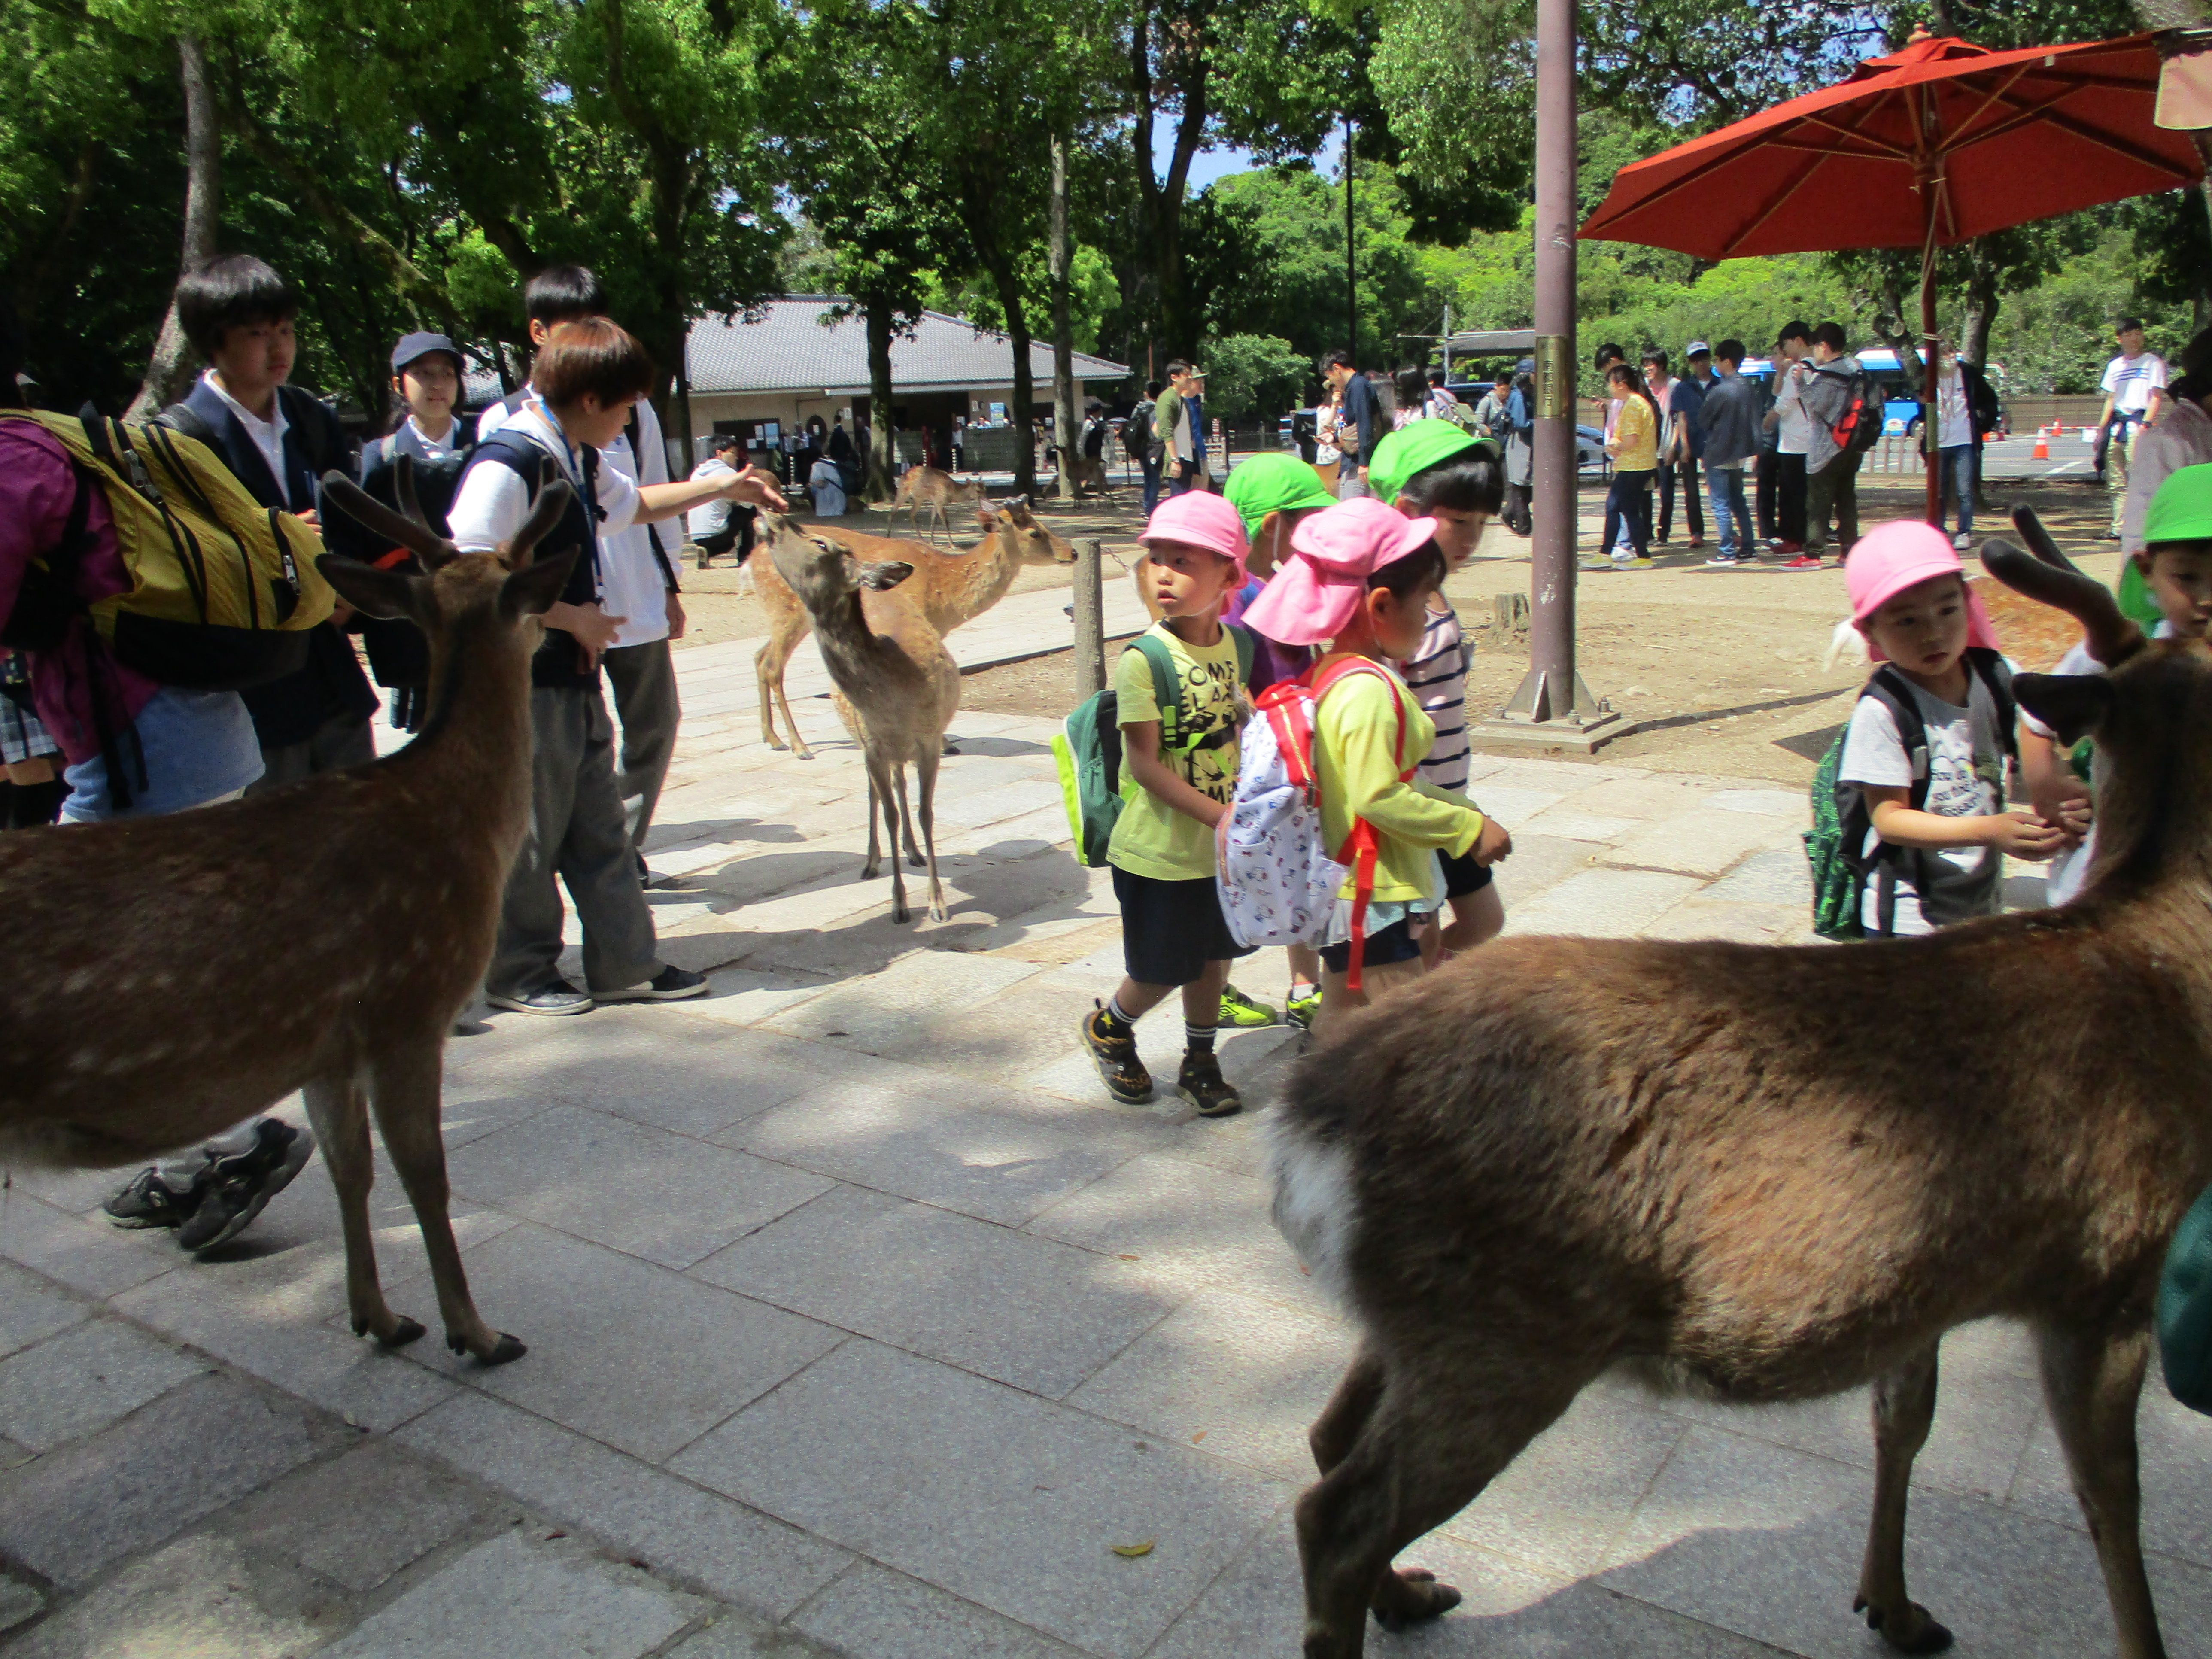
x=861 y=1321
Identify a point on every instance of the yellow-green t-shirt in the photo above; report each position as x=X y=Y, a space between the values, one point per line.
x=1151 y=838
x=1355 y=759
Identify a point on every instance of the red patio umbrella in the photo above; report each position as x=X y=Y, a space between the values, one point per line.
x=1932 y=145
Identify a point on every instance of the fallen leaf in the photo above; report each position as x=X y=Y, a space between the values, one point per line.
x=1125 y=1256
x=1132 y=1550
x=1200 y=1436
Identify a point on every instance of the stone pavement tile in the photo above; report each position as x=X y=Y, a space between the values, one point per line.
x=1649 y=797
x=31 y=1308
x=1512 y=806
x=1789 y=803
x=676 y=1527
x=18 y=1601
x=480 y=1095
x=1024 y=1310
x=961 y=810
x=629 y=1354
x=701 y=1078
x=872 y=1613
x=358 y=1518
x=201 y=1596
x=1241 y=1378
x=1601 y=904
x=74 y=1190
x=1244 y=1054
x=1538 y=862
x=1237 y=1145
x=947 y=1140
x=1702 y=917
x=1768 y=1542
x=1778 y=876
x=1010 y=1036
x=1527 y=771
x=1560 y=1504
x=197 y=1447
x=665 y=1197
x=1255 y=1610
x=1187 y=1228
x=2175 y=1448
x=900 y=1003
x=517 y=1597
x=736 y=1635
x=1033 y=832
x=80 y=1381
x=753 y=873
x=92 y=1257
x=1701 y=843
x=1567 y=821
x=995 y=1495
x=747 y=996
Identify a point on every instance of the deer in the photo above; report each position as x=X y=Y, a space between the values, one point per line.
x=950 y=588
x=1771 y=1173
x=172 y=975
x=936 y=489
x=898 y=686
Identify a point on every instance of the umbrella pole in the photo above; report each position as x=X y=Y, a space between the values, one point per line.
x=1930 y=448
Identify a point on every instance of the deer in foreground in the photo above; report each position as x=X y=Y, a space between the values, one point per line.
x=898 y=686
x=1773 y=1173
x=169 y=977
x=936 y=489
x=950 y=588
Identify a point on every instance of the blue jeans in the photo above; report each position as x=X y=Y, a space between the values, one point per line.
x=1629 y=502
x=1731 y=517
x=1152 y=486
x=1958 y=463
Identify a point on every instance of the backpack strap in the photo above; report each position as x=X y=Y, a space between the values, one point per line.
x=1362 y=850
x=1247 y=648
x=1995 y=672
x=1890 y=688
x=1167 y=687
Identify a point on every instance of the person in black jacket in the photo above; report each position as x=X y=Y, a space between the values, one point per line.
x=278 y=441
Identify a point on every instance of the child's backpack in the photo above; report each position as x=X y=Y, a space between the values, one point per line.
x=223 y=590
x=1088 y=750
x=1836 y=845
x=1277 y=879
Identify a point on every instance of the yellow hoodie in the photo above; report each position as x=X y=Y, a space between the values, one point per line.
x=1356 y=762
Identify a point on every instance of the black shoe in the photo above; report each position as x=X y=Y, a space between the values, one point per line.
x=239 y=1187
x=1116 y=1057
x=669 y=984
x=558 y=997
x=153 y=1200
x=1201 y=1083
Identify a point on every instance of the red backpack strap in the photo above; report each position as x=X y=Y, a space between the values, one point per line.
x=1361 y=849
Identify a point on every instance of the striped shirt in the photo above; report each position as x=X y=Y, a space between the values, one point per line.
x=1437 y=676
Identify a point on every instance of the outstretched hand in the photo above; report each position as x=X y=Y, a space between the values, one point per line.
x=757 y=486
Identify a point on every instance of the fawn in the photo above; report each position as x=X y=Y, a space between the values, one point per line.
x=936 y=489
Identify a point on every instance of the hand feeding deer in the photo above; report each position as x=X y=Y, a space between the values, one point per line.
x=936 y=489
x=169 y=977
x=898 y=686
x=952 y=588
x=1736 y=1167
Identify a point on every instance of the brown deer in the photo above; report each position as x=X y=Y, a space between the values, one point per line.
x=936 y=489
x=952 y=588
x=1774 y=1173
x=898 y=686
x=169 y=977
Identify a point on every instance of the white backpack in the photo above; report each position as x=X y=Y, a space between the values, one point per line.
x=1278 y=880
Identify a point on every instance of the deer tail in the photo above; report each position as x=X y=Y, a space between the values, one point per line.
x=1314 y=1207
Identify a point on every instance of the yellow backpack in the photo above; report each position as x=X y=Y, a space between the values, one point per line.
x=223 y=590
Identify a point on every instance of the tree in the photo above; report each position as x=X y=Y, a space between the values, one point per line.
x=1254 y=373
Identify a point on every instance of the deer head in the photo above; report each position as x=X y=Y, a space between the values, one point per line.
x=1031 y=542
x=822 y=571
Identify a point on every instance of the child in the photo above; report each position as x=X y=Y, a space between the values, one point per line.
x=2175 y=569
x=1941 y=861
x=1161 y=850
x=1360 y=577
x=1439 y=472
x=1634 y=447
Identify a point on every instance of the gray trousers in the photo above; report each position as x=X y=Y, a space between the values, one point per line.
x=341 y=741
x=643 y=677
x=575 y=834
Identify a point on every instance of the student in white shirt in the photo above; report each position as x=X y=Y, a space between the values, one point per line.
x=2129 y=381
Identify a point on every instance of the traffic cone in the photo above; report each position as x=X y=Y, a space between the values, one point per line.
x=2042 y=446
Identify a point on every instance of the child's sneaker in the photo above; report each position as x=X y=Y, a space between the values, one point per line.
x=1116 y=1057
x=1300 y=1010
x=1239 y=1010
x=1201 y=1083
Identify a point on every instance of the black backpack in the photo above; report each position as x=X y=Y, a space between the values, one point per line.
x=1137 y=433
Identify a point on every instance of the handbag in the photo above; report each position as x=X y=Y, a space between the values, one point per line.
x=2185 y=1307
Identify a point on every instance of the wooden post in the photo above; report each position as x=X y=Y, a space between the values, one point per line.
x=1089 y=620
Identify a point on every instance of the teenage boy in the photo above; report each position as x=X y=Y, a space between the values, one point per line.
x=1792 y=435
x=1175 y=427
x=1832 y=469
x=1728 y=423
x=716 y=526
x=1362 y=420
x=1683 y=448
x=278 y=441
x=2129 y=380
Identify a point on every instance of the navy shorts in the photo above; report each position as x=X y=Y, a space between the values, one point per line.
x=1462 y=874
x=1172 y=929
x=1392 y=944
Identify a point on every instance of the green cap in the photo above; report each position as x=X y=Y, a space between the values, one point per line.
x=2180 y=512
x=1273 y=482
x=1415 y=448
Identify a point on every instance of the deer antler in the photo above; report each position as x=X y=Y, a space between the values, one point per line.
x=2038 y=539
x=552 y=502
x=409 y=531
x=2052 y=579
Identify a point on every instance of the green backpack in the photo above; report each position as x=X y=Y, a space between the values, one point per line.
x=1836 y=844
x=2185 y=1307
x=1088 y=748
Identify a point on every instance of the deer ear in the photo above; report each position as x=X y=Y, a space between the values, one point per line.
x=374 y=592
x=533 y=590
x=2072 y=705
x=884 y=577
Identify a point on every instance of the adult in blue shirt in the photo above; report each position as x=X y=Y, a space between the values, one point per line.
x=1362 y=415
x=1685 y=423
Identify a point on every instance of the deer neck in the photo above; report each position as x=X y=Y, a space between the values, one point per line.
x=847 y=642
x=476 y=744
x=980 y=582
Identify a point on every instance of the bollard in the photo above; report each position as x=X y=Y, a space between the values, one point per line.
x=1089 y=620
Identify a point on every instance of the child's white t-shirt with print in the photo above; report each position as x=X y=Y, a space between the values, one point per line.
x=1966 y=780
x=2065 y=876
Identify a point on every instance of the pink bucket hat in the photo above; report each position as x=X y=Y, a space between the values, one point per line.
x=1199 y=519
x=1901 y=554
x=1332 y=553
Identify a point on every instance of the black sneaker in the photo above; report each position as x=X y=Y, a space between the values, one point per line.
x=153 y=1199
x=1116 y=1057
x=558 y=997
x=1201 y=1083
x=239 y=1187
x=669 y=984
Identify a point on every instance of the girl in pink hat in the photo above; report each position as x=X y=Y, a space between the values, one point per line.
x=1359 y=577
x=1929 y=738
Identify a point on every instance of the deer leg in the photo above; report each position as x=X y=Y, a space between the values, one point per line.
x=881 y=793
x=1904 y=1405
x=341 y=1119
x=770 y=681
x=926 y=758
x=1348 y=1412
x=873 y=868
x=2092 y=1382
x=405 y=1082
x=894 y=827
x=914 y=848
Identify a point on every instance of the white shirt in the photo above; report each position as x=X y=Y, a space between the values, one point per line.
x=437 y=448
x=1955 y=421
x=2131 y=381
x=493 y=500
x=1793 y=434
x=2065 y=876
x=714 y=517
x=268 y=435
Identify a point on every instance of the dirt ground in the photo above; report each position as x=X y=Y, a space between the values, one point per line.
x=1721 y=671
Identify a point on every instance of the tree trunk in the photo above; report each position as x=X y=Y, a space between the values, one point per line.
x=1982 y=302
x=170 y=370
x=1063 y=329
x=1017 y=331
x=880 y=451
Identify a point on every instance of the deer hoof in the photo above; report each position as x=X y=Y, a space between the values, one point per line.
x=870 y=872
x=404 y=1331
x=1413 y=1597
x=914 y=861
x=1914 y=1633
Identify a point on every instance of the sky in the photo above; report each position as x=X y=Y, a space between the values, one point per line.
x=1209 y=165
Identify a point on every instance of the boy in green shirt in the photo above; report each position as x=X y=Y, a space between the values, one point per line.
x=1161 y=850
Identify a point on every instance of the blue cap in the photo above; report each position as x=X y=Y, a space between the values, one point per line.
x=421 y=345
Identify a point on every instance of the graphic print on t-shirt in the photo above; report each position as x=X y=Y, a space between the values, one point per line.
x=1209 y=706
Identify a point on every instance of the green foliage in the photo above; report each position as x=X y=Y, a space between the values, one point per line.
x=2058 y=336
x=1456 y=80
x=1254 y=373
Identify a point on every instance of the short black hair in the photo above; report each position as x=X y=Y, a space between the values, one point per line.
x=233 y=290
x=1413 y=385
x=1178 y=366
x=2127 y=323
x=1607 y=353
x=1794 y=330
x=563 y=293
x=725 y=442
x=1654 y=355
x=1503 y=377
x=1436 y=377
x=1417 y=573
x=1153 y=388
x=1339 y=359
x=1729 y=350
x=1470 y=480
x=1829 y=335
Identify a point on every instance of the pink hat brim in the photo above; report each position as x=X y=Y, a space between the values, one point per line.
x=1306 y=602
